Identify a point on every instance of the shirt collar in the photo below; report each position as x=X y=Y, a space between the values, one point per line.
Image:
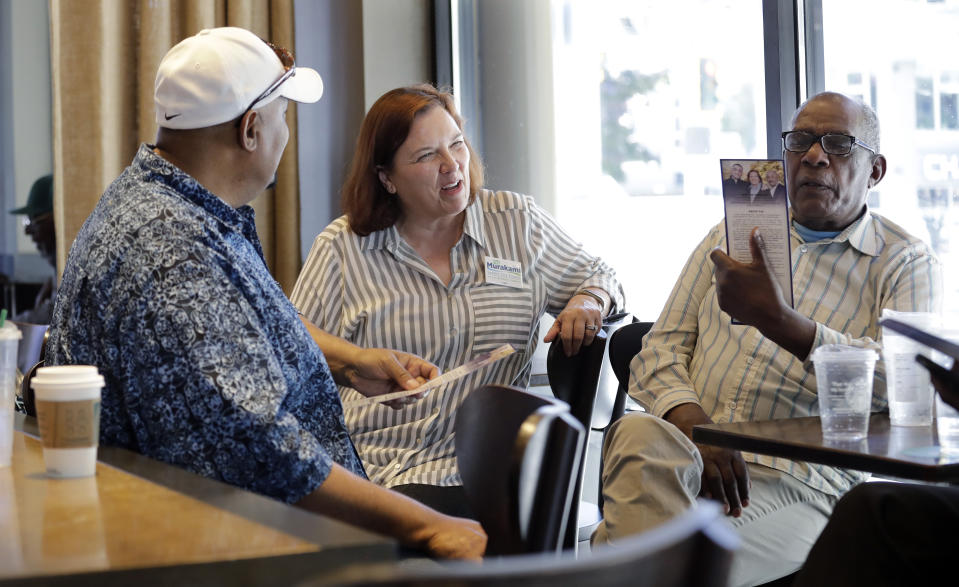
x=159 y=170
x=474 y=226
x=861 y=235
x=389 y=238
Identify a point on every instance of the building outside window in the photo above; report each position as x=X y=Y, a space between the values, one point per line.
x=638 y=144
x=917 y=86
x=643 y=98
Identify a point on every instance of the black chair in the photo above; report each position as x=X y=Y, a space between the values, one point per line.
x=691 y=550
x=518 y=455
x=587 y=385
x=27 y=397
x=625 y=344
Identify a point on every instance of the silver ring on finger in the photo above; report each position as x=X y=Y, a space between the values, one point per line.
x=591 y=327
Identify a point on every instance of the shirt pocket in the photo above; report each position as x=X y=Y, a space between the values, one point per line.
x=502 y=315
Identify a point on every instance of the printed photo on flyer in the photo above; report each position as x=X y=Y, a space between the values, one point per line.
x=754 y=195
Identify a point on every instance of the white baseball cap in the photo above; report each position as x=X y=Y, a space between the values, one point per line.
x=218 y=74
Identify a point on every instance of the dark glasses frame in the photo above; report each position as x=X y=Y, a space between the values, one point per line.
x=814 y=138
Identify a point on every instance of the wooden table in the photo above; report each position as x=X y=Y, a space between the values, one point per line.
x=142 y=522
x=907 y=452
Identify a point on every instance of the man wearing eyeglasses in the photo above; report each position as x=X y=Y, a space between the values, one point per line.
x=776 y=188
x=38 y=225
x=207 y=364
x=697 y=367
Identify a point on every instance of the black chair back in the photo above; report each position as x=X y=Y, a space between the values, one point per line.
x=518 y=454
x=694 y=549
x=625 y=344
x=590 y=389
x=26 y=392
x=574 y=379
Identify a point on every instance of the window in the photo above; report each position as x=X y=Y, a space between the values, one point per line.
x=925 y=117
x=640 y=100
x=948 y=95
x=922 y=181
x=670 y=95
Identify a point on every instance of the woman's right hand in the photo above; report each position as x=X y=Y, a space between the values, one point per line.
x=449 y=537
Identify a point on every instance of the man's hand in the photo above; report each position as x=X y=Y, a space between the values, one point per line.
x=378 y=371
x=725 y=477
x=450 y=537
x=750 y=293
x=372 y=371
x=577 y=324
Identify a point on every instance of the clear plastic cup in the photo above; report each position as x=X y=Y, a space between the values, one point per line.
x=68 y=415
x=844 y=381
x=947 y=417
x=9 y=342
x=947 y=426
x=907 y=382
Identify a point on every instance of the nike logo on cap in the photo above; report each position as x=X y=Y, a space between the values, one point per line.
x=171 y=116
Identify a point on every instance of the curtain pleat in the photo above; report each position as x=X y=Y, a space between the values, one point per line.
x=105 y=54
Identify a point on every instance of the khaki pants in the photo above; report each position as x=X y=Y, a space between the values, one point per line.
x=652 y=472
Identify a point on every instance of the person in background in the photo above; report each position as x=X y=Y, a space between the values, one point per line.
x=773 y=184
x=428 y=261
x=38 y=225
x=755 y=189
x=207 y=364
x=734 y=185
x=891 y=533
x=698 y=367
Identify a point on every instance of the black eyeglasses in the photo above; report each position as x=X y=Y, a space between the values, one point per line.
x=289 y=66
x=800 y=141
x=31 y=223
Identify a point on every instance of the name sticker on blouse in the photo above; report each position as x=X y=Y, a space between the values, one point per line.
x=504 y=272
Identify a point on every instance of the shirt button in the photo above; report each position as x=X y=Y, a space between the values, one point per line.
x=396 y=466
x=453 y=331
x=802 y=249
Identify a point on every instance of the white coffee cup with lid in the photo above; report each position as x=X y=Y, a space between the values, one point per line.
x=68 y=413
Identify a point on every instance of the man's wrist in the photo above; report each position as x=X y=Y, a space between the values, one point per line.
x=685 y=416
x=792 y=331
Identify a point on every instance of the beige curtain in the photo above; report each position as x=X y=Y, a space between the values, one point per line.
x=104 y=56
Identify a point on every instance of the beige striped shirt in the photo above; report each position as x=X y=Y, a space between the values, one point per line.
x=376 y=291
x=694 y=353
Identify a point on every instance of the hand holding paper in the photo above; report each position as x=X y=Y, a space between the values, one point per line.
x=748 y=292
x=763 y=206
x=476 y=363
x=376 y=372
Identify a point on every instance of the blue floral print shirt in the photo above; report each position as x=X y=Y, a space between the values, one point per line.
x=207 y=365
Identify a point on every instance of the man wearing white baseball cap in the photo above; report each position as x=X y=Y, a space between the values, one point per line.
x=207 y=364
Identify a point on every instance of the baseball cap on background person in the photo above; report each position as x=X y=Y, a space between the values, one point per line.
x=40 y=200
x=219 y=74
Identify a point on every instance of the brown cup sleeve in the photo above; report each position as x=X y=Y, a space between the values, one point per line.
x=73 y=424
